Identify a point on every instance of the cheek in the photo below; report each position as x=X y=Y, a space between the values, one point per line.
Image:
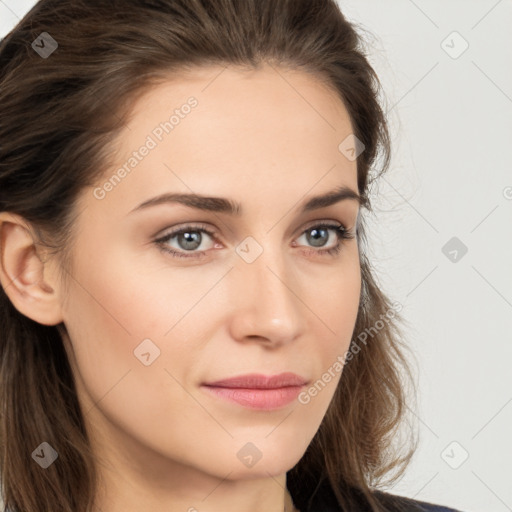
x=336 y=308
x=117 y=318
x=111 y=312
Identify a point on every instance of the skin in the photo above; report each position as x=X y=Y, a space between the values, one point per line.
x=269 y=140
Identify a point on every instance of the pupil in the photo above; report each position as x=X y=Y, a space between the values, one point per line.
x=192 y=240
x=316 y=235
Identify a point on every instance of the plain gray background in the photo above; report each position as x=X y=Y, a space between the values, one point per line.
x=449 y=189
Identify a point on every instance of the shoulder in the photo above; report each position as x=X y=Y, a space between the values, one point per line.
x=409 y=504
x=324 y=501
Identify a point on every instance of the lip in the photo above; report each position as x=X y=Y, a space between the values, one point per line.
x=257 y=391
x=259 y=381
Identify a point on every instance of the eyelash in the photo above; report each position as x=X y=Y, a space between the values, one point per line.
x=340 y=230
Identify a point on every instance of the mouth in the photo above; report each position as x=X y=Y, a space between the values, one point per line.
x=257 y=391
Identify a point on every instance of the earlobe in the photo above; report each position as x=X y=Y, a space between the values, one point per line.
x=22 y=273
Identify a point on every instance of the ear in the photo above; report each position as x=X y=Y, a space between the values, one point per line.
x=22 y=273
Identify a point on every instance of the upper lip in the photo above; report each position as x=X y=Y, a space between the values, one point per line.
x=258 y=381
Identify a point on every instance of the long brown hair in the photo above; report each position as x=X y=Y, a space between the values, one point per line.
x=60 y=114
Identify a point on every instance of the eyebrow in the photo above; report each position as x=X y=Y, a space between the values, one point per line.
x=230 y=207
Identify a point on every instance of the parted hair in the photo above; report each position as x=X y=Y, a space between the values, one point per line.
x=59 y=117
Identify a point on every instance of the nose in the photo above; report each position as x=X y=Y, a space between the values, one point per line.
x=268 y=307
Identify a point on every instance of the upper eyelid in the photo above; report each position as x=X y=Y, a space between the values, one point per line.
x=174 y=231
x=215 y=232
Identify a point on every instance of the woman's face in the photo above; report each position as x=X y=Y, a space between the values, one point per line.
x=250 y=292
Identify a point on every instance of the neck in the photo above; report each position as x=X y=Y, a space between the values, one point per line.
x=131 y=494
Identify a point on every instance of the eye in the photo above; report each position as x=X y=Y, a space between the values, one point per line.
x=318 y=235
x=190 y=238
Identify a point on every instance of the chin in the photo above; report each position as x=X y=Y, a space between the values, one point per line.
x=273 y=462
x=260 y=470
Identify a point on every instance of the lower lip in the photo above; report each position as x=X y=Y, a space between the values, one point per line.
x=263 y=399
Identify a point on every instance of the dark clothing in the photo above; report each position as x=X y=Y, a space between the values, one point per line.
x=324 y=500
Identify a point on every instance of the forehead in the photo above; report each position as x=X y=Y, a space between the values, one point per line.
x=264 y=102
x=261 y=86
x=227 y=131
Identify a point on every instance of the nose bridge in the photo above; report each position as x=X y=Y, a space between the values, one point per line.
x=266 y=303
